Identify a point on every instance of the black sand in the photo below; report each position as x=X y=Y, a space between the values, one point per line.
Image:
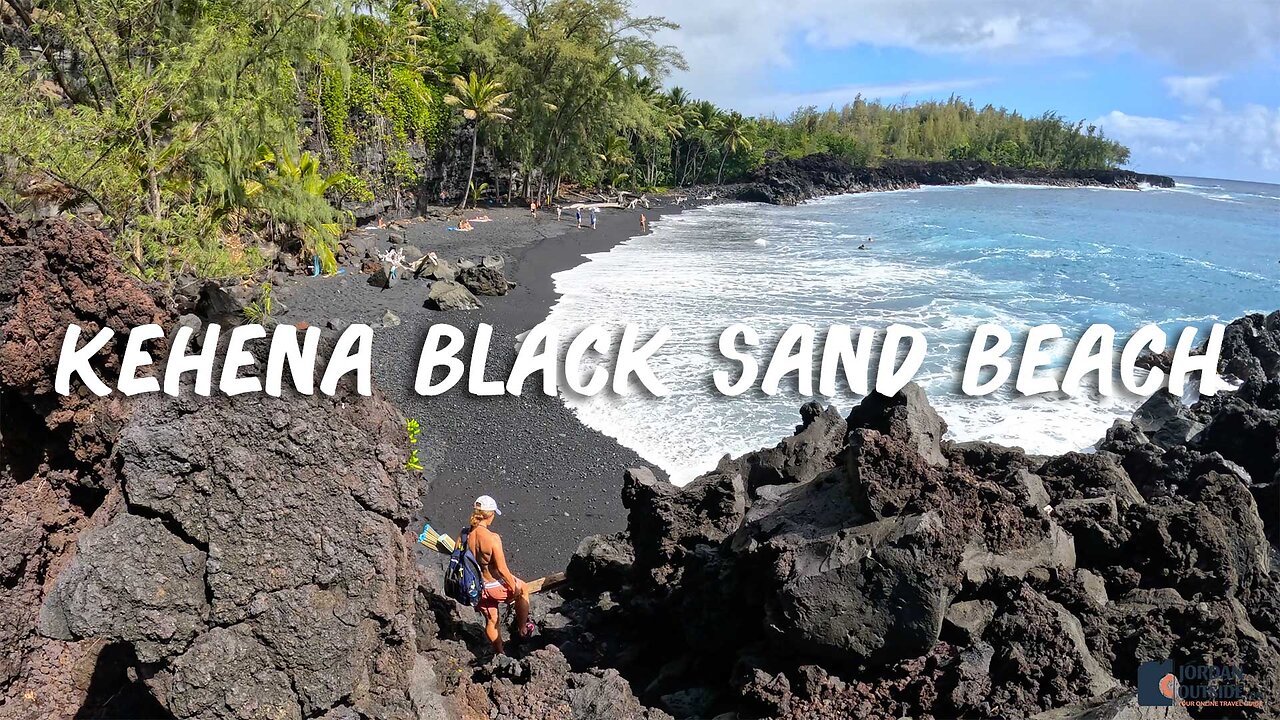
x=555 y=480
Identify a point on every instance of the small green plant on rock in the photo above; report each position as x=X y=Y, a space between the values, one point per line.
x=476 y=191
x=259 y=311
x=414 y=428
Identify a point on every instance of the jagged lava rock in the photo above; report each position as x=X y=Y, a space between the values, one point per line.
x=55 y=449
x=484 y=280
x=292 y=524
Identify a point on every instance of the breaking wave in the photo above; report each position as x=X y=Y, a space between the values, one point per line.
x=943 y=262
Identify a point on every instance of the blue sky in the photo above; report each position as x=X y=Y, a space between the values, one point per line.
x=1192 y=87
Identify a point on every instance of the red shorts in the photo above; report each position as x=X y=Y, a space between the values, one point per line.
x=495 y=595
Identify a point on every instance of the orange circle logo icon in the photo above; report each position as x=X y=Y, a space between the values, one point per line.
x=1168 y=686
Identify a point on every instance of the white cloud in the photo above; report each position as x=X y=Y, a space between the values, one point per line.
x=1208 y=140
x=837 y=97
x=734 y=48
x=1195 y=90
x=732 y=44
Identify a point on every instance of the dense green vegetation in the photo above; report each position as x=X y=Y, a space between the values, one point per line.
x=866 y=132
x=207 y=134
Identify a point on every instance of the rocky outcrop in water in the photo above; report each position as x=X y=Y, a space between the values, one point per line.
x=790 y=181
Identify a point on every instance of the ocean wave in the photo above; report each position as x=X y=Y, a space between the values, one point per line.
x=1244 y=274
x=1199 y=192
x=705 y=272
x=1014 y=186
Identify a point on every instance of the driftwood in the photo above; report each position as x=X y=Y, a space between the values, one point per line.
x=550 y=582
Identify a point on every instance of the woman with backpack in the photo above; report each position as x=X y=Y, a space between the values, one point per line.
x=501 y=586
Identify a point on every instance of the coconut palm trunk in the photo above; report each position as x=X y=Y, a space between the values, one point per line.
x=480 y=99
x=471 y=169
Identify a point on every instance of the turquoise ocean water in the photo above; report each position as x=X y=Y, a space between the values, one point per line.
x=942 y=259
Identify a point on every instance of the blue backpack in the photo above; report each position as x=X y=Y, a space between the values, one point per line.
x=462 y=579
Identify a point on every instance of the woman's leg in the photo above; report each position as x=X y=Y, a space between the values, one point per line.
x=491 y=629
x=522 y=608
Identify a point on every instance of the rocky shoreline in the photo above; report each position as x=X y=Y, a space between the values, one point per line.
x=248 y=557
x=790 y=181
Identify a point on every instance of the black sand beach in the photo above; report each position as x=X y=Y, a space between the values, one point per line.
x=556 y=480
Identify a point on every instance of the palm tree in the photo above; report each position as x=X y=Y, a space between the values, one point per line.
x=480 y=99
x=703 y=118
x=616 y=157
x=732 y=135
x=677 y=98
x=671 y=121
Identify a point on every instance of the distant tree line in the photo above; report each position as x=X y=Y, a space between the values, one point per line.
x=202 y=133
x=866 y=132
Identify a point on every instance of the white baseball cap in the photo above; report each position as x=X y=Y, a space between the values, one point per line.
x=488 y=504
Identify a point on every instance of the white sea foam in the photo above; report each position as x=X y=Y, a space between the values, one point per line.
x=1014 y=186
x=945 y=265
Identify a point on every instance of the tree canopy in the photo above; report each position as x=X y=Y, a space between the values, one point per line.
x=207 y=134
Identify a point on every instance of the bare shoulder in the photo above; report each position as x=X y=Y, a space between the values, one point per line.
x=488 y=539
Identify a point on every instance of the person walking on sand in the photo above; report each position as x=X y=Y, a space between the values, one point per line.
x=501 y=586
x=559 y=212
x=644 y=223
x=593 y=218
x=533 y=209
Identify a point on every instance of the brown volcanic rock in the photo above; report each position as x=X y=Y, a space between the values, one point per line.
x=541 y=686
x=57 y=273
x=53 y=449
x=134 y=581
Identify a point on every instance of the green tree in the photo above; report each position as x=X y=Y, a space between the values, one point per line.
x=150 y=112
x=576 y=64
x=480 y=99
x=732 y=135
x=616 y=156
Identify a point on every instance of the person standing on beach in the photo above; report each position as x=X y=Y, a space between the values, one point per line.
x=593 y=218
x=578 y=212
x=559 y=212
x=501 y=586
x=644 y=223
